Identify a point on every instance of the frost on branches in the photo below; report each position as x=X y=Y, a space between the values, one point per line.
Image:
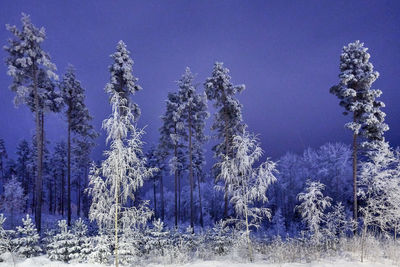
x=27 y=240
x=246 y=183
x=312 y=206
x=124 y=170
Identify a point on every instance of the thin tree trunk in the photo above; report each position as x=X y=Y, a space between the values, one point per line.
x=191 y=173
x=55 y=194
x=155 y=196
x=226 y=120
x=85 y=196
x=201 y=208
x=179 y=197
x=69 y=171
x=162 y=197
x=62 y=192
x=176 y=187
x=38 y=182
x=355 y=206
x=78 y=212
x=116 y=223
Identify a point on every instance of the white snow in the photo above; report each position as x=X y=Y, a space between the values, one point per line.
x=43 y=261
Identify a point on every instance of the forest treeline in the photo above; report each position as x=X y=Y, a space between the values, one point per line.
x=324 y=193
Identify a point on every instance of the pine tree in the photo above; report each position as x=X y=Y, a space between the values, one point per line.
x=30 y=67
x=228 y=119
x=171 y=139
x=27 y=240
x=356 y=97
x=312 y=206
x=83 y=246
x=124 y=168
x=101 y=250
x=78 y=119
x=63 y=246
x=247 y=184
x=193 y=110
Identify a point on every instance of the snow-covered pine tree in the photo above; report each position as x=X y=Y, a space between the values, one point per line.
x=27 y=240
x=63 y=245
x=78 y=120
x=124 y=168
x=172 y=134
x=228 y=118
x=101 y=249
x=358 y=98
x=30 y=67
x=247 y=184
x=5 y=241
x=312 y=206
x=193 y=110
x=158 y=240
x=82 y=242
x=14 y=198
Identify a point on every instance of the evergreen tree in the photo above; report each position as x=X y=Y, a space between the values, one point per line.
x=228 y=119
x=31 y=69
x=63 y=245
x=171 y=139
x=83 y=245
x=193 y=110
x=78 y=119
x=124 y=168
x=27 y=241
x=358 y=98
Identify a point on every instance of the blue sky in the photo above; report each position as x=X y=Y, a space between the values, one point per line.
x=286 y=52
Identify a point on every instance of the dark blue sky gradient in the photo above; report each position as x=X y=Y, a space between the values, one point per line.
x=286 y=52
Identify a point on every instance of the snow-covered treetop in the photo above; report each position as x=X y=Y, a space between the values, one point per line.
x=228 y=119
x=74 y=98
x=356 y=96
x=26 y=58
x=122 y=80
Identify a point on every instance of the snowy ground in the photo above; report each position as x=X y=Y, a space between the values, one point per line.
x=45 y=262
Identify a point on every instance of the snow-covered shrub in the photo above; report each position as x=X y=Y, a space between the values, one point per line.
x=101 y=249
x=13 y=199
x=27 y=239
x=63 y=245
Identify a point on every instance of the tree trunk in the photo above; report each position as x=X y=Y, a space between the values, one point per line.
x=201 y=208
x=162 y=197
x=38 y=182
x=179 y=197
x=355 y=206
x=85 y=196
x=176 y=187
x=69 y=171
x=116 y=223
x=155 y=196
x=191 y=172
x=78 y=191
x=62 y=192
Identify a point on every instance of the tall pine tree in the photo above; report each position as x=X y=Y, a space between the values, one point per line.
x=359 y=99
x=193 y=110
x=30 y=67
x=228 y=118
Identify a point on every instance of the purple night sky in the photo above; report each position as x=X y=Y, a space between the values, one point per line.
x=286 y=52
